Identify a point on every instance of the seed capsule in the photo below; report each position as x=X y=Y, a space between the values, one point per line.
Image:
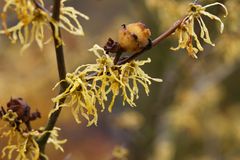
x=134 y=37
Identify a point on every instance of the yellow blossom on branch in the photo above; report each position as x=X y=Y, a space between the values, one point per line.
x=100 y=83
x=24 y=144
x=33 y=22
x=68 y=15
x=186 y=34
x=53 y=139
x=118 y=79
x=21 y=143
x=79 y=97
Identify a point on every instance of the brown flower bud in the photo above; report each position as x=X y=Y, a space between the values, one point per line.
x=23 y=110
x=134 y=37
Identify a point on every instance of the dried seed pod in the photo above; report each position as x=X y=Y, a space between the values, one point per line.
x=23 y=111
x=19 y=106
x=112 y=47
x=134 y=37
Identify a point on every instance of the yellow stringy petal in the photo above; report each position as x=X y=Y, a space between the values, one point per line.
x=33 y=23
x=69 y=15
x=93 y=85
x=22 y=144
x=187 y=37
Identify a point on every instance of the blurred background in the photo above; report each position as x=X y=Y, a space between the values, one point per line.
x=193 y=115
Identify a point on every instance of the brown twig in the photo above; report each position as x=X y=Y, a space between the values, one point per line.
x=62 y=73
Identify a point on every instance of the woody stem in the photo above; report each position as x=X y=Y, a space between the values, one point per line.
x=62 y=73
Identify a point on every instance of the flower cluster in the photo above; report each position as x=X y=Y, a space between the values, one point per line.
x=24 y=144
x=33 y=21
x=22 y=140
x=94 y=84
x=186 y=33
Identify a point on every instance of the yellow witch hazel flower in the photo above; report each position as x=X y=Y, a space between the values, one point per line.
x=69 y=15
x=22 y=144
x=33 y=21
x=186 y=33
x=25 y=145
x=118 y=79
x=130 y=76
x=53 y=139
x=79 y=97
x=94 y=84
